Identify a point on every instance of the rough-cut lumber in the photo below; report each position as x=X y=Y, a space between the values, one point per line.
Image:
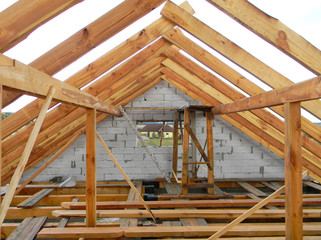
x=160 y=231
x=57 y=154
x=27 y=79
x=175 y=144
x=247 y=214
x=71 y=123
x=125 y=175
x=303 y=91
x=92 y=35
x=267 y=117
x=182 y=204
x=96 y=68
x=248 y=187
x=23 y=17
x=231 y=51
x=193 y=213
x=273 y=31
x=210 y=150
x=31 y=201
x=176 y=37
x=91 y=167
x=152 y=156
x=63 y=222
x=132 y=222
x=293 y=169
x=28 y=229
x=313 y=185
x=24 y=157
x=185 y=160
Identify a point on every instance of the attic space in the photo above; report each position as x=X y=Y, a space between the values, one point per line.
x=157 y=119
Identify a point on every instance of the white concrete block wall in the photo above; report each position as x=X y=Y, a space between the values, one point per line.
x=235 y=154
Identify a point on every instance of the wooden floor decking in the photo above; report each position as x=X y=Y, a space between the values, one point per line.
x=177 y=214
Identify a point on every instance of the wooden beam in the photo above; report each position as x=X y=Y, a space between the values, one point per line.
x=231 y=51
x=273 y=31
x=228 y=214
x=221 y=203
x=24 y=157
x=126 y=177
x=161 y=231
x=210 y=150
x=176 y=37
x=27 y=79
x=185 y=166
x=303 y=91
x=91 y=167
x=293 y=169
x=175 y=144
x=23 y=17
x=54 y=157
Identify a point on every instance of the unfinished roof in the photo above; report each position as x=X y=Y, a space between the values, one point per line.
x=161 y=51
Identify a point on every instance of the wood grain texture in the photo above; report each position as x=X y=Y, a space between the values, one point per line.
x=233 y=52
x=24 y=157
x=293 y=169
x=91 y=167
x=273 y=31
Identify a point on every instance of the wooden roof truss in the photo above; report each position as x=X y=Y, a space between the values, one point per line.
x=158 y=58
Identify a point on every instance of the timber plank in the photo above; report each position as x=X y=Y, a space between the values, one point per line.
x=160 y=231
x=30 y=202
x=187 y=213
x=126 y=222
x=28 y=229
x=183 y=204
x=248 y=187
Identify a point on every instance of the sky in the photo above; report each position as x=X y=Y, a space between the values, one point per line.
x=304 y=17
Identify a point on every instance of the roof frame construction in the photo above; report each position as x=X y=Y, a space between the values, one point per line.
x=65 y=110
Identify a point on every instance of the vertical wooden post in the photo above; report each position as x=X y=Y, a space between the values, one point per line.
x=293 y=171
x=210 y=152
x=194 y=152
x=175 y=143
x=185 y=152
x=91 y=167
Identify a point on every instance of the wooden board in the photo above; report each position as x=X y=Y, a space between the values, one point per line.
x=189 y=231
x=248 y=187
x=28 y=229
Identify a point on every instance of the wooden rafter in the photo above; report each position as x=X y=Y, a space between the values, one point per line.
x=90 y=36
x=176 y=37
x=23 y=17
x=273 y=31
x=233 y=52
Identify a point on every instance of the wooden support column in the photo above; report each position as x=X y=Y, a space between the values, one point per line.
x=91 y=167
x=293 y=171
x=185 y=152
x=194 y=152
x=210 y=152
x=175 y=143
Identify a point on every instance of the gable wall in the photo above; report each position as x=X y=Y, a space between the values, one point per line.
x=235 y=154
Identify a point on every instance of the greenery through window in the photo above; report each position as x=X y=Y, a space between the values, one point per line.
x=157 y=133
